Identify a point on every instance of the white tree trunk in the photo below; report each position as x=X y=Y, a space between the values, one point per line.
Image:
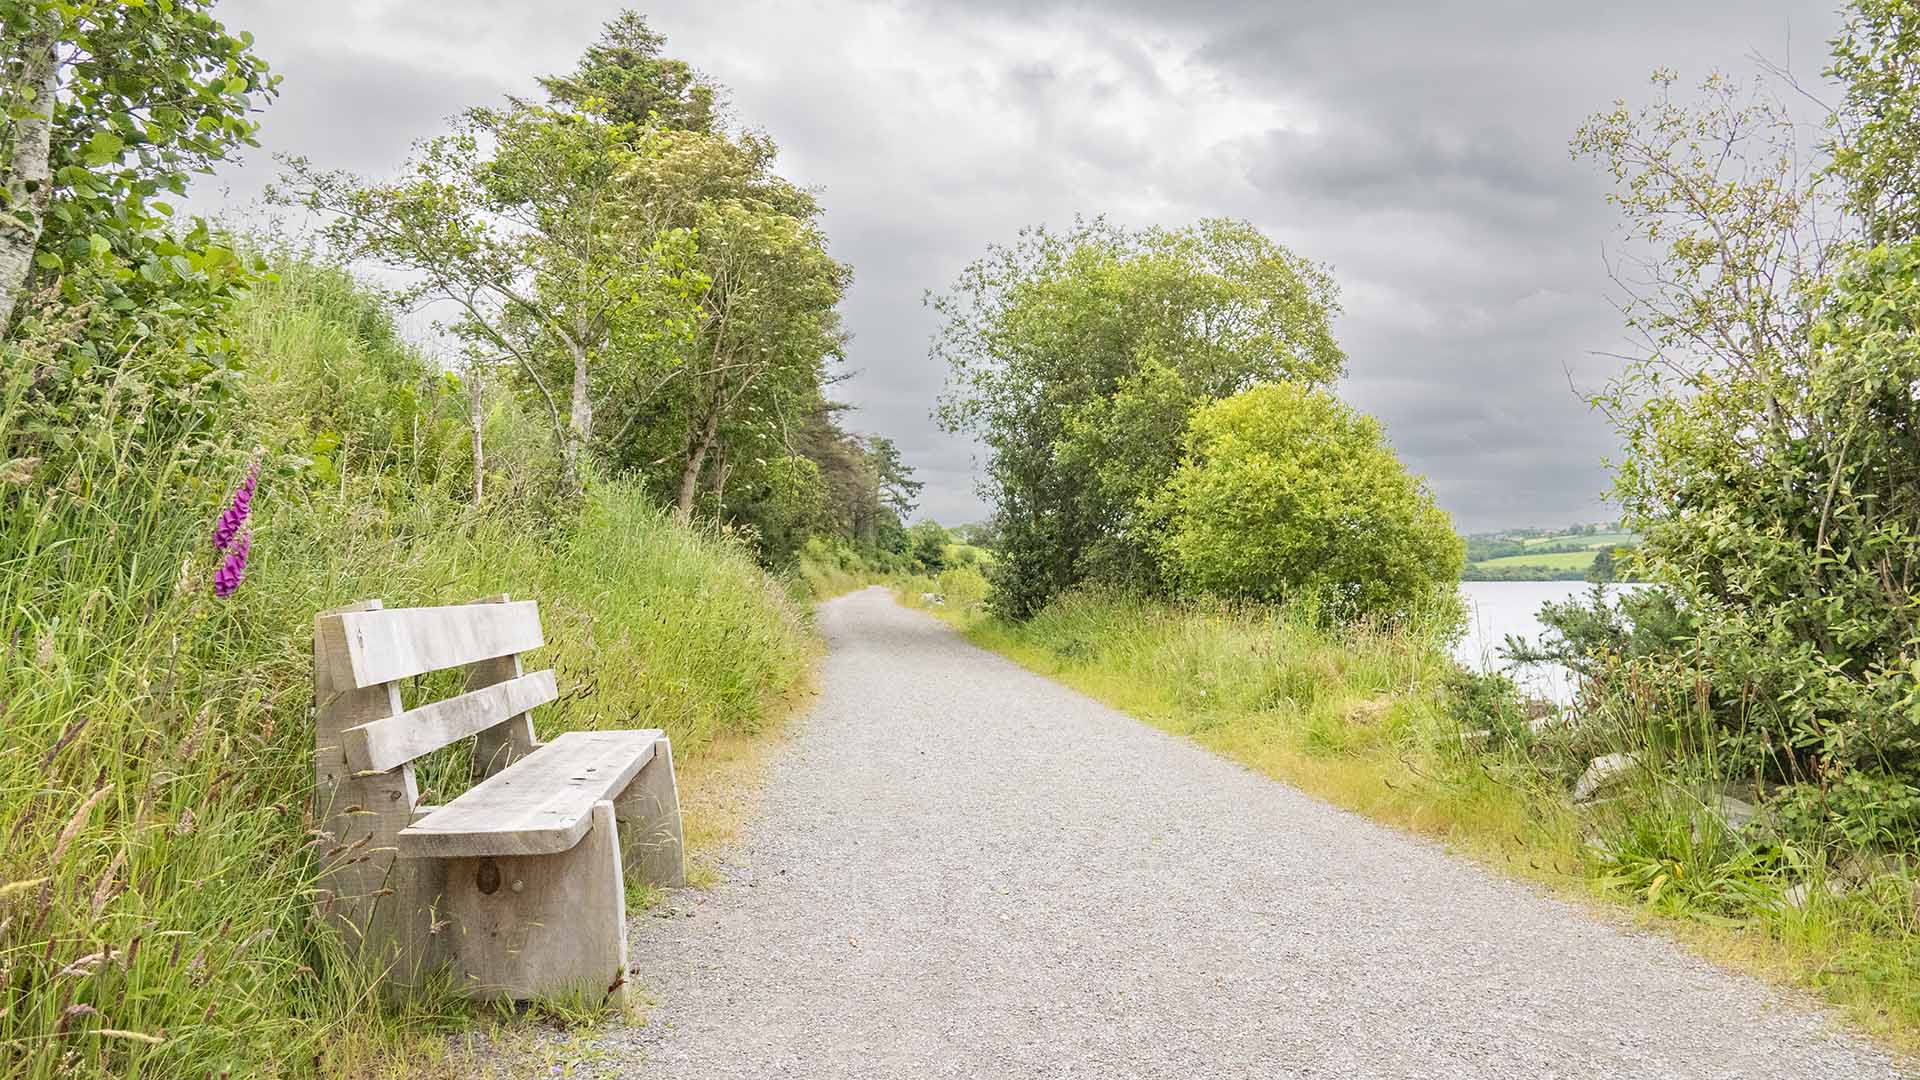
x=477 y=416
x=29 y=180
x=579 y=416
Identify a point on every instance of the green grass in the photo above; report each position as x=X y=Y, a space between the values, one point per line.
x=832 y=567
x=1373 y=719
x=156 y=886
x=1565 y=560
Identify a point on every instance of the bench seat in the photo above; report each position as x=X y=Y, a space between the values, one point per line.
x=542 y=804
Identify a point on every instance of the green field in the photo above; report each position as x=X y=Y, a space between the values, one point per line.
x=1564 y=560
x=1591 y=542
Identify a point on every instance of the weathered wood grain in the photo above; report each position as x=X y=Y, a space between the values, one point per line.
x=542 y=925
x=369 y=647
x=541 y=804
x=382 y=905
x=498 y=747
x=390 y=743
x=651 y=841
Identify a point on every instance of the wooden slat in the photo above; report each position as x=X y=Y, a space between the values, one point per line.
x=500 y=746
x=367 y=648
x=391 y=743
x=539 y=805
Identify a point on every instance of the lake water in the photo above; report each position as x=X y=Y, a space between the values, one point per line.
x=1496 y=609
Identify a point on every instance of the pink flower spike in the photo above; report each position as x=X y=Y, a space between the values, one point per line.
x=237 y=510
x=234 y=569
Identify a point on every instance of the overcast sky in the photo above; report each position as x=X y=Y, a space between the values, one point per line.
x=1420 y=148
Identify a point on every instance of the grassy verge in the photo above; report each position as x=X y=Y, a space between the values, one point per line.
x=830 y=567
x=156 y=886
x=1378 y=722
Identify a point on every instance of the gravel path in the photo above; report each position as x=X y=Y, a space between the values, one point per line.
x=962 y=869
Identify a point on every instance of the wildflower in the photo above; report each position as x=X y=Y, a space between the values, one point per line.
x=234 y=568
x=237 y=511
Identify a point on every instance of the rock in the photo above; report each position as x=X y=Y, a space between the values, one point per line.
x=1737 y=813
x=1797 y=894
x=1602 y=772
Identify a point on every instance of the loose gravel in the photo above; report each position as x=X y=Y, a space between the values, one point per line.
x=961 y=869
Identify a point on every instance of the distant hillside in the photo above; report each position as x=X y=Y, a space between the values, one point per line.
x=1533 y=554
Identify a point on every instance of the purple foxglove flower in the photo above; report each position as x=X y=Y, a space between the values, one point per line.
x=234 y=568
x=237 y=511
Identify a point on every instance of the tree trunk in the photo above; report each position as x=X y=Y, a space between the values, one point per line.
x=29 y=180
x=476 y=415
x=696 y=459
x=580 y=416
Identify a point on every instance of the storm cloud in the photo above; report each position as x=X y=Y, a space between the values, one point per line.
x=1420 y=149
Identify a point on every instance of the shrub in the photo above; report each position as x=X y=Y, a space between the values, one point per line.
x=1286 y=492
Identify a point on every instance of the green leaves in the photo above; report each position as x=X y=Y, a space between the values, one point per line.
x=148 y=95
x=1288 y=493
x=1771 y=462
x=1077 y=358
x=105 y=146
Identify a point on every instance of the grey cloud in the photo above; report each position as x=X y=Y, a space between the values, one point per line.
x=1419 y=148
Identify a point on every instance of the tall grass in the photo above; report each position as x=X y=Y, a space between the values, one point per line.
x=155 y=742
x=830 y=566
x=1380 y=720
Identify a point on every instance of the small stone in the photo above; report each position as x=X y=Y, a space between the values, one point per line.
x=1737 y=813
x=1602 y=772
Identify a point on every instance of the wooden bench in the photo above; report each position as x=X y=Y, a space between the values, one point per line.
x=516 y=885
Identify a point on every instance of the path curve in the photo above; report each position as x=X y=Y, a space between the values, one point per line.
x=961 y=869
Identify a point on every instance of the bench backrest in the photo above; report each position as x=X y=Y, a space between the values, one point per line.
x=365 y=742
x=367 y=650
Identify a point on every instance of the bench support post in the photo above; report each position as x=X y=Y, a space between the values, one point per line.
x=649 y=813
x=541 y=926
x=503 y=744
x=383 y=906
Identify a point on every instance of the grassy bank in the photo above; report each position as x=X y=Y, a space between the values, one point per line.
x=1380 y=722
x=155 y=765
x=830 y=567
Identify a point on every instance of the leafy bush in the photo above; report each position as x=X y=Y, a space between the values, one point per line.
x=1772 y=440
x=828 y=566
x=1486 y=702
x=1287 y=492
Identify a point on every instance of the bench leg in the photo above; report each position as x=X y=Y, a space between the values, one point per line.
x=534 y=926
x=649 y=813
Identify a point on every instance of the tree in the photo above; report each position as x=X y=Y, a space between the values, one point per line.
x=767 y=323
x=1288 y=493
x=893 y=478
x=763 y=322
x=524 y=220
x=104 y=298
x=1772 y=440
x=624 y=79
x=929 y=546
x=1602 y=569
x=784 y=504
x=1077 y=359
x=108 y=105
